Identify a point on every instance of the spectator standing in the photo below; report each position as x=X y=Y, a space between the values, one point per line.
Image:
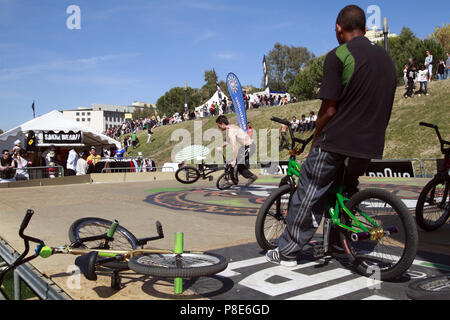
x=405 y=75
x=21 y=163
x=429 y=64
x=412 y=74
x=283 y=135
x=250 y=130
x=447 y=64
x=441 y=70
x=134 y=139
x=93 y=158
x=422 y=77
x=149 y=133
x=72 y=163
x=82 y=166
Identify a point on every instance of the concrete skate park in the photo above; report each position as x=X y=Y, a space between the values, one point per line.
x=211 y=220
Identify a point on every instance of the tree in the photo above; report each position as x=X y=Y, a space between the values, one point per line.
x=306 y=81
x=442 y=36
x=284 y=63
x=173 y=100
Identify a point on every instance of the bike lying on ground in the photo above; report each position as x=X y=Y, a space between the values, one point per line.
x=103 y=243
x=432 y=208
x=374 y=227
x=433 y=288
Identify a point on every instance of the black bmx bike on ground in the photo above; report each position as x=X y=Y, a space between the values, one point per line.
x=432 y=209
x=103 y=245
x=190 y=174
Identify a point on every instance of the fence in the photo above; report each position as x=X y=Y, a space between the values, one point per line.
x=44 y=288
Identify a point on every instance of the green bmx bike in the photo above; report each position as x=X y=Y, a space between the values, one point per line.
x=374 y=227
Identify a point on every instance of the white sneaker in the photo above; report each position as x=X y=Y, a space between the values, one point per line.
x=274 y=256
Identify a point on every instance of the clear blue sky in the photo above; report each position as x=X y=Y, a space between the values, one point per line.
x=136 y=50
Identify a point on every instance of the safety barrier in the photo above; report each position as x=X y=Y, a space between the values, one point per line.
x=33 y=173
x=137 y=170
x=44 y=288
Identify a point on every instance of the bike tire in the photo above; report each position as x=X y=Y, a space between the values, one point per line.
x=187 y=175
x=223 y=182
x=270 y=224
x=185 y=265
x=389 y=257
x=91 y=226
x=434 y=288
x=429 y=214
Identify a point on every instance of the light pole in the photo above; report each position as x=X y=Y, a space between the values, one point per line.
x=185 y=98
x=385 y=32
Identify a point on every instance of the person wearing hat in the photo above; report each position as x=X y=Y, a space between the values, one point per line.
x=82 y=164
x=93 y=158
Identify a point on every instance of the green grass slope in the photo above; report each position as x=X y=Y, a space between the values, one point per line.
x=404 y=137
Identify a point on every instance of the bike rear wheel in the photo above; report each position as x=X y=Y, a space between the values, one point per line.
x=391 y=253
x=185 y=265
x=90 y=226
x=270 y=222
x=432 y=209
x=187 y=175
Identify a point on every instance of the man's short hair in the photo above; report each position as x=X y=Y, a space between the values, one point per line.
x=222 y=120
x=352 y=18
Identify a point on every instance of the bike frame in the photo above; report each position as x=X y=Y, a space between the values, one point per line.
x=339 y=206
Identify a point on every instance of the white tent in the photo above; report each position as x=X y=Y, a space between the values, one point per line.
x=54 y=121
x=214 y=98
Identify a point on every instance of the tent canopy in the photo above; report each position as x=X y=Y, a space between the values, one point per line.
x=56 y=122
x=214 y=98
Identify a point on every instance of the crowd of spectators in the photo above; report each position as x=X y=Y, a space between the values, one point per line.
x=417 y=73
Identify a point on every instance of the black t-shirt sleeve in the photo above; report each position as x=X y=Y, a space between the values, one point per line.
x=331 y=88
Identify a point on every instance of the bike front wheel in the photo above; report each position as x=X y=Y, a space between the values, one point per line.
x=224 y=181
x=89 y=227
x=270 y=222
x=187 y=175
x=392 y=247
x=184 y=265
x=432 y=209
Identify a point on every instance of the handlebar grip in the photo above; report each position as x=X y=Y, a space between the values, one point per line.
x=25 y=221
x=282 y=121
x=427 y=125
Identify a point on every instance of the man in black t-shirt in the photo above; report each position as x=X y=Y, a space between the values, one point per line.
x=6 y=167
x=357 y=93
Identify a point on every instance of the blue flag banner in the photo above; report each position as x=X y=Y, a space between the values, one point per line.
x=235 y=90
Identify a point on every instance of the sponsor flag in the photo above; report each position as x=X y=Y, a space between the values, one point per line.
x=235 y=90
x=219 y=90
x=266 y=76
x=32 y=107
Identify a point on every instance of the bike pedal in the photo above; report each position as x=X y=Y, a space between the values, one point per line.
x=318 y=251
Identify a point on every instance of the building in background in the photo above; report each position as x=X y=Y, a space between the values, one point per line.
x=102 y=117
x=376 y=35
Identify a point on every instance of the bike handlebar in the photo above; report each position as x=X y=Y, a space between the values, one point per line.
x=282 y=121
x=294 y=139
x=441 y=141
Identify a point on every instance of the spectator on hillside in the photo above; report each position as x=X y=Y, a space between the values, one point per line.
x=303 y=124
x=312 y=120
x=405 y=75
x=429 y=65
x=295 y=123
x=412 y=74
x=149 y=133
x=283 y=136
x=422 y=76
x=447 y=64
x=441 y=70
